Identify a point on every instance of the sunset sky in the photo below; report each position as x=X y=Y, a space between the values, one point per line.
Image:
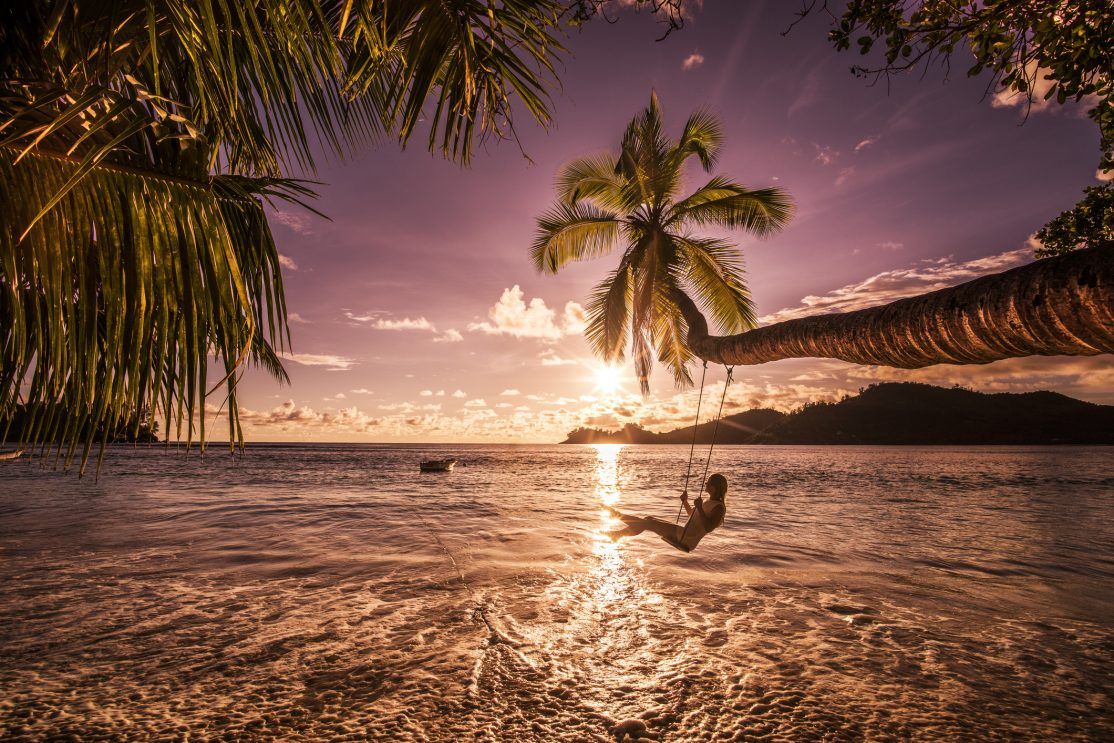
x=417 y=316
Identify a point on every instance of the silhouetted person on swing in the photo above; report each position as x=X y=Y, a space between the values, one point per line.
x=705 y=516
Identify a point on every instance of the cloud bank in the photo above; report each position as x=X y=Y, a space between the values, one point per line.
x=513 y=316
x=888 y=286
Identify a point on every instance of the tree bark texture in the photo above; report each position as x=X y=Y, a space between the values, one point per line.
x=1056 y=306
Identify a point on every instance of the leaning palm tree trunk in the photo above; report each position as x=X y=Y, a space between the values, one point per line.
x=1056 y=306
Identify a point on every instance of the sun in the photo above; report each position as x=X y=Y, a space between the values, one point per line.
x=609 y=379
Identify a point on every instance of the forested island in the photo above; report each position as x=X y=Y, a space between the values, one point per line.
x=897 y=413
x=138 y=428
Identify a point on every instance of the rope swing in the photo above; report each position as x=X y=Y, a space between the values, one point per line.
x=715 y=431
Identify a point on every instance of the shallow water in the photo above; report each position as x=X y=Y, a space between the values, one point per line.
x=331 y=592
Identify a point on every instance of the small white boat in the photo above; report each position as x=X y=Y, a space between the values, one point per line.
x=14 y=454
x=438 y=465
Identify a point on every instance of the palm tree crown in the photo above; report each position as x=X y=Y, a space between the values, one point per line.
x=635 y=199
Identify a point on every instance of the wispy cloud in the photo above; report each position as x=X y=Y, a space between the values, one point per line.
x=511 y=315
x=333 y=363
x=863 y=144
x=296 y=318
x=405 y=323
x=379 y=321
x=549 y=357
x=692 y=61
x=510 y=393
x=287 y=262
x=362 y=391
x=409 y=407
x=364 y=318
x=902 y=282
x=299 y=223
x=825 y=155
x=449 y=336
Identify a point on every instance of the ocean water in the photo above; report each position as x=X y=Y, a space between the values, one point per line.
x=305 y=593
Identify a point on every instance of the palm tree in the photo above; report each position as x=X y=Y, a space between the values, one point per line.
x=1056 y=306
x=634 y=199
x=139 y=142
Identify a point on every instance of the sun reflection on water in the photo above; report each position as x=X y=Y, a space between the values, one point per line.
x=607 y=473
x=609 y=575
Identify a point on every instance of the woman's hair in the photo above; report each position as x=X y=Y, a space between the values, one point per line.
x=719 y=482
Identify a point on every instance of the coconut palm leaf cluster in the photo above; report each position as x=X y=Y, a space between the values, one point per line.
x=139 y=143
x=634 y=199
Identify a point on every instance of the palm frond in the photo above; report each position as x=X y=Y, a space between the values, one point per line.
x=650 y=267
x=723 y=203
x=115 y=299
x=669 y=332
x=643 y=159
x=467 y=60
x=569 y=233
x=594 y=179
x=264 y=356
x=608 y=314
x=252 y=85
x=702 y=137
x=714 y=270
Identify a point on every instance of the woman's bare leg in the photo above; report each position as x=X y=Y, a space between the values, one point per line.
x=635 y=526
x=625 y=518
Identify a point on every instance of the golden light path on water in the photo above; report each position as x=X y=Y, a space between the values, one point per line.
x=613 y=608
x=612 y=582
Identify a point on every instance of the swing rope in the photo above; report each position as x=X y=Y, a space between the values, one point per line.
x=692 y=448
x=715 y=431
x=719 y=417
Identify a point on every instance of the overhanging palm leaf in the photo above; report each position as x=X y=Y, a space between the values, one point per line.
x=116 y=297
x=471 y=56
x=138 y=140
x=634 y=196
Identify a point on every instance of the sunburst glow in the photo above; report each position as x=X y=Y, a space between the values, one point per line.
x=609 y=379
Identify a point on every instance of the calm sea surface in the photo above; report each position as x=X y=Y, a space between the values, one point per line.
x=333 y=593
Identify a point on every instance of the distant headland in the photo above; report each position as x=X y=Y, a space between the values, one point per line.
x=897 y=413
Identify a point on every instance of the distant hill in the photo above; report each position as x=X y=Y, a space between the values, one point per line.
x=898 y=413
